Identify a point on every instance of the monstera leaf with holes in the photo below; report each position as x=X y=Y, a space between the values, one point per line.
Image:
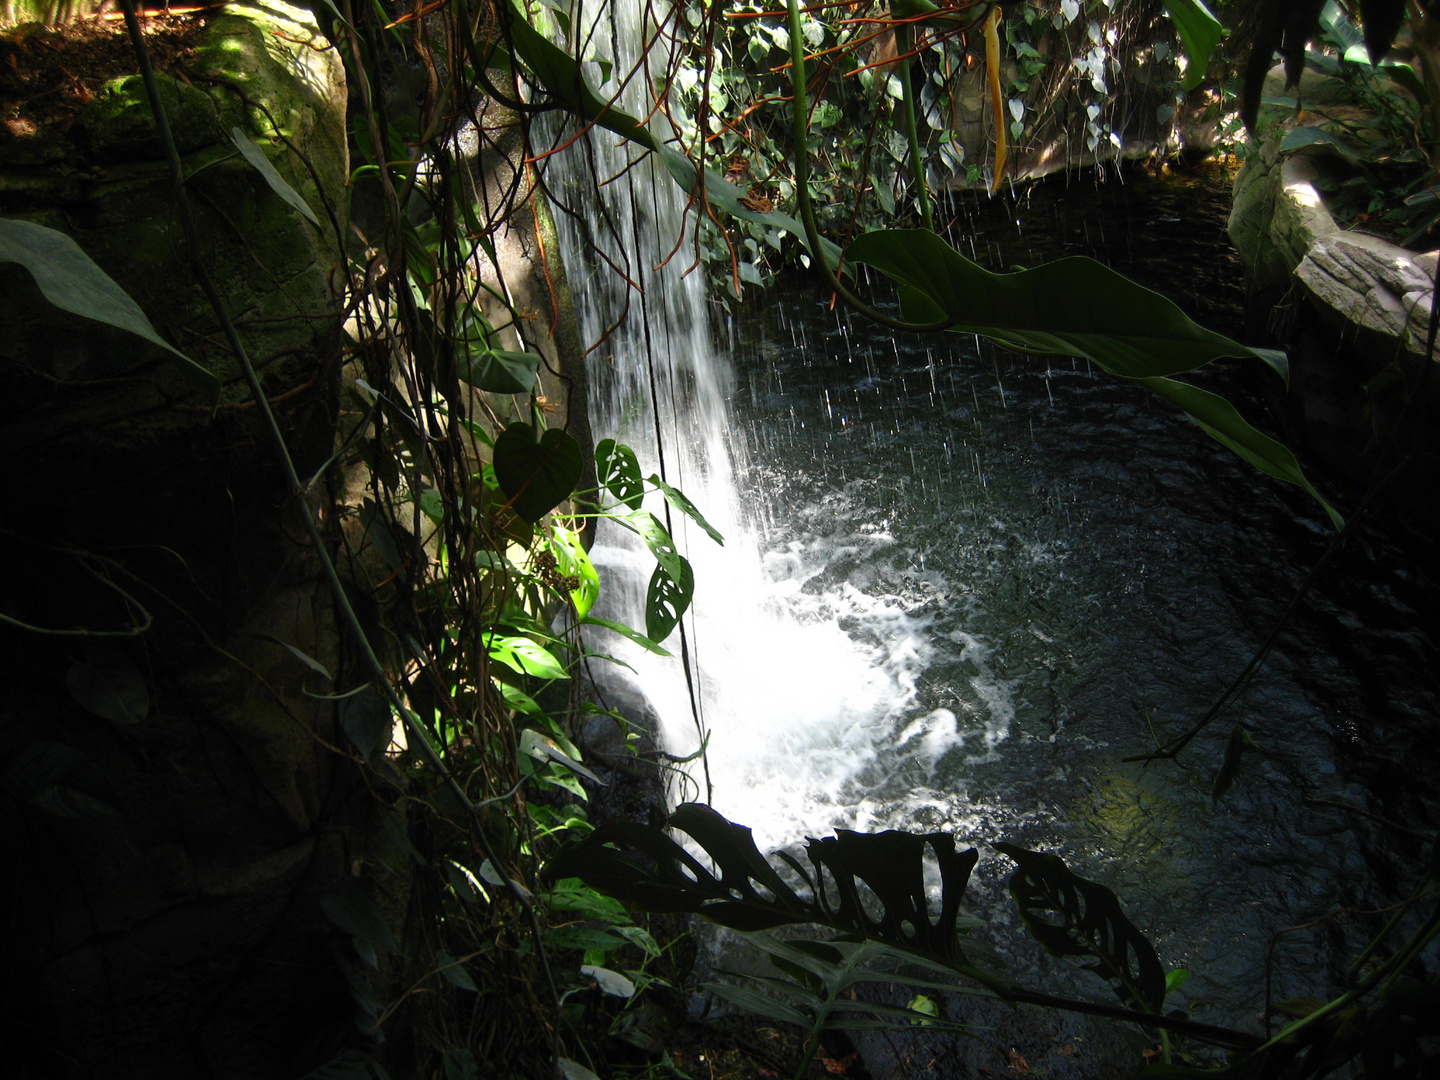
x=870 y=888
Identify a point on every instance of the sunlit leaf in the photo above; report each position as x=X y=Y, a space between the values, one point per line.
x=573 y=561
x=72 y=282
x=628 y=633
x=1199 y=32
x=611 y=982
x=543 y=748
x=524 y=655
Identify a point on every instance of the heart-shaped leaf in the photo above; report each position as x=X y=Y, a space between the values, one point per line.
x=536 y=475
x=499 y=371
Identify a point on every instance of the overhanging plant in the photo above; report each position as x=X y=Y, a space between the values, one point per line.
x=869 y=891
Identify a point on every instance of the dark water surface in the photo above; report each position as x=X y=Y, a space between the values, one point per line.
x=1068 y=568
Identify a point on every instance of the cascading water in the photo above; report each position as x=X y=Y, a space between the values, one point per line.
x=789 y=700
x=956 y=587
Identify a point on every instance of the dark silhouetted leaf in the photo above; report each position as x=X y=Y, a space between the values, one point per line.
x=352 y=910
x=1071 y=916
x=536 y=476
x=108 y=684
x=454 y=972
x=1236 y=743
x=58 y=779
x=1070 y=307
x=72 y=282
x=367 y=720
x=646 y=867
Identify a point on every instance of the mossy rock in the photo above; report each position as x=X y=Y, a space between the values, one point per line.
x=279 y=274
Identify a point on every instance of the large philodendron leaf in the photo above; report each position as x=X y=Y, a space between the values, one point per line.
x=1199 y=32
x=1223 y=423
x=1080 y=307
x=642 y=865
x=72 y=281
x=1072 y=916
x=1070 y=307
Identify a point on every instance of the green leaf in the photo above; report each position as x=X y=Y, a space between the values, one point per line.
x=536 y=476
x=367 y=721
x=72 y=282
x=351 y=909
x=454 y=972
x=460 y=1063
x=573 y=561
x=544 y=748
x=760 y=1004
x=723 y=195
x=1223 y=422
x=619 y=472
x=499 y=371
x=667 y=599
x=677 y=499
x=1199 y=32
x=108 y=684
x=523 y=655
x=1301 y=137
x=611 y=982
x=1236 y=743
x=627 y=632
x=658 y=539
x=1071 y=916
x=59 y=780
x=252 y=153
x=1071 y=307
x=573 y=1070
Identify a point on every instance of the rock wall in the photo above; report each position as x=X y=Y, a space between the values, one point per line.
x=1353 y=312
x=171 y=927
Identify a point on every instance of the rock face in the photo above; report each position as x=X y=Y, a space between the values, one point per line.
x=1353 y=312
x=150 y=536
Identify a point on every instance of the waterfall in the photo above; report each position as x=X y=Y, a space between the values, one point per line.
x=786 y=699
